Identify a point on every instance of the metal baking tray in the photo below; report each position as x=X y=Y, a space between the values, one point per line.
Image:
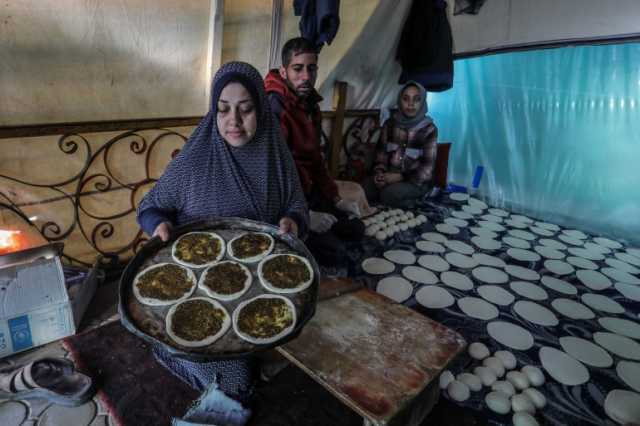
x=148 y=322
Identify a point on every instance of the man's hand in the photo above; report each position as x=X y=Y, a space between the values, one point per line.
x=349 y=207
x=163 y=230
x=321 y=222
x=288 y=226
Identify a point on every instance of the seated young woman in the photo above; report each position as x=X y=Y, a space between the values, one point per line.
x=405 y=153
x=234 y=164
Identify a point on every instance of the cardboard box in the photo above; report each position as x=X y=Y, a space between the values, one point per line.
x=34 y=305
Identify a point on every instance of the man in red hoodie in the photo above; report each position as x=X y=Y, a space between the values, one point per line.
x=294 y=101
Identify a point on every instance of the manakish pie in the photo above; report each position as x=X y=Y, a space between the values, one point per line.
x=164 y=284
x=264 y=319
x=197 y=322
x=285 y=273
x=198 y=249
x=250 y=247
x=226 y=280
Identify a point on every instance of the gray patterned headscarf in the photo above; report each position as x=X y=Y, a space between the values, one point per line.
x=257 y=181
x=421 y=119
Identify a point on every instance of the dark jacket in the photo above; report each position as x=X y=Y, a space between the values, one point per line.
x=319 y=19
x=300 y=124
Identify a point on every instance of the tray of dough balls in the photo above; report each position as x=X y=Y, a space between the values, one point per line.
x=219 y=289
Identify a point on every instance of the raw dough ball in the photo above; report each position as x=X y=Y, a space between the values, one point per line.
x=524 y=419
x=507 y=358
x=534 y=374
x=403 y=226
x=410 y=214
x=536 y=397
x=486 y=375
x=495 y=364
x=422 y=218
x=518 y=379
x=478 y=350
x=381 y=235
x=370 y=231
x=395 y=228
x=498 y=402
x=445 y=378
x=390 y=221
x=412 y=223
x=470 y=380
x=504 y=387
x=458 y=391
x=623 y=406
x=521 y=402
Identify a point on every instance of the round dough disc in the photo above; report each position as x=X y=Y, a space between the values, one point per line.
x=521 y=219
x=490 y=275
x=271 y=286
x=515 y=224
x=621 y=326
x=558 y=267
x=510 y=335
x=419 y=275
x=582 y=263
x=623 y=406
x=434 y=297
x=433 y=262
x=496 y=295
x=562 y=367
x=523 y=255
x=491 y=226
x=554 y=244
x=522 y=273
x=516 y=242
x=523 y=235
x=597 y=248
x=549 y=253
x=461 y=261
x=629 y=372
x=593 y=279
x=586 y=351
x=461 y=215
x=570 y=240
x=460 y=223
x=618 y=345
x=220 y=296
x=430 y=246
x=447 y=229
x=541 y=231
x=499 y=212
x=558 y=285
x=622 y=266
x=161 y=302
x=477 y=203
x=586 y=253
x=213 y=235
x=263 y=340
x=535 y=313
x=549 y=226
x=631 y=292
x=573 y=233
x=226 y=323
x=456 y=280
x=459 y=246
x=472 y=210
x=572 y=309
x=459 y=196
x=402 y=257
x=395 y=288
x=255 y=258
x=482 y=232
x=491 y=218
x=621 y=276
x=477 y=308
x=602 y=303
x=528 y=290
x=377 y=266
x=607 y=243
x=486 y=243
x=626 y=257
x=434 y=236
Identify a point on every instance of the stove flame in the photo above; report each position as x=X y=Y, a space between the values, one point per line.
x=9 y=241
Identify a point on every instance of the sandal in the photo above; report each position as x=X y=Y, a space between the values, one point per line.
x=54 y=379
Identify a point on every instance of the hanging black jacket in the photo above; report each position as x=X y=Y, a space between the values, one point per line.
x=319 y=20
x=425 y=50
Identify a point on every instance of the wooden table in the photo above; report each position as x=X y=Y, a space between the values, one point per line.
x=375 y=355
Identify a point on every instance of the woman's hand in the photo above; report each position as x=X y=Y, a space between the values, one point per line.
x=390 y=178
x=163 y=230
x=288 y=226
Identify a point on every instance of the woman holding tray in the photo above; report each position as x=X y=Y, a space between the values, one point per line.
x=234 y=164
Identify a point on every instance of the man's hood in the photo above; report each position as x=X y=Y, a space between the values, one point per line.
x=274 y=82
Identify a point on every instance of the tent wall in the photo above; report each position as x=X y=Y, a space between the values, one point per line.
x=557 y=131
x=76 y=60
x=505 y=23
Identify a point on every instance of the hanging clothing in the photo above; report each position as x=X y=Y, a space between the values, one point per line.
x=471 y=7
x=319 y=20
x=210 y=177
x=425 y=50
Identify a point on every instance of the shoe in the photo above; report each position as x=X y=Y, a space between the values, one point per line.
x=54 y=379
